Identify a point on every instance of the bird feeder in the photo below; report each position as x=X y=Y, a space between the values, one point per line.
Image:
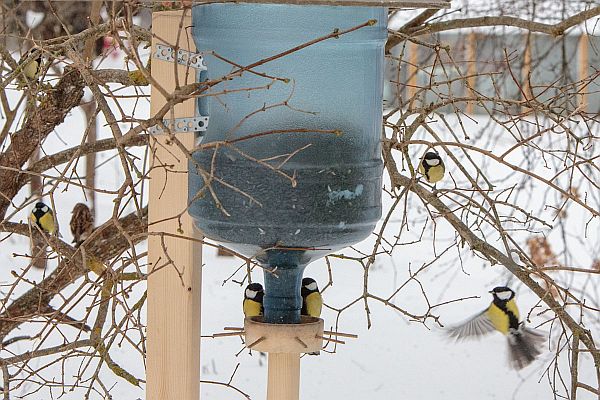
x=288 y=168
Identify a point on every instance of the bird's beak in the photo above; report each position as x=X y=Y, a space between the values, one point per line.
x=491 y=292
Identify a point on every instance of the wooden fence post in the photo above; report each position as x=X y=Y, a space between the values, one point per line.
x=173 y=330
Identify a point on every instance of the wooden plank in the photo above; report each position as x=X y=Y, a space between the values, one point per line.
x=284 y=376
x=173 y=324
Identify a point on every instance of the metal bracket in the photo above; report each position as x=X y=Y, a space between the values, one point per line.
x=184 y=57
x=180 y=125
x=193 y=60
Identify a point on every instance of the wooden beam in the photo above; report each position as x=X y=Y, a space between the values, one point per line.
x=173 y=324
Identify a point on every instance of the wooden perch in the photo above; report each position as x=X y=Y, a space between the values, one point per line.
x=257 y=341
x=224 y=334
x=232 y=328
x=301 y=342
x=331 y=340
x=341 y=334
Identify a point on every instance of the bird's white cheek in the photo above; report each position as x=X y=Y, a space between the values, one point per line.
x=250 y=293
x=504 y=295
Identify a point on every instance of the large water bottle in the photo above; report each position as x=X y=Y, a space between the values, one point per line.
x=291 y=167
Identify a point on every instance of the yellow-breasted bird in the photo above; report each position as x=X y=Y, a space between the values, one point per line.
x=312 y=302
x=82 y=223
x=42 y=216
x=30 y=70
x=432 y=167
x=253 y=305
x=253 y=300
x=524 y=344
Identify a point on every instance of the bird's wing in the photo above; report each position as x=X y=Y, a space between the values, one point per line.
x=477 y=326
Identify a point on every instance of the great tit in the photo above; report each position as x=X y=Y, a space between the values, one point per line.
x=524 y=344
x=432 y=167
x=253 y=300
x=312 y=302
x=31 y=70
x=253 y=306
x=43 y=217
x=82 y=223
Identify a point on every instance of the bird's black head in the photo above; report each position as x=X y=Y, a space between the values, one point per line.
x=254 y=291
x=502 y=293
x=32 y=50
x=40 y=209
x=309 y=285
x=432 y=158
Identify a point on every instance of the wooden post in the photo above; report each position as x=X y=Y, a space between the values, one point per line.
x=39 y=252
x=173 y=331
x=526 y=71
x=411 y=71
x=583 y=70
x=284 y=343
x=284 y=376
x=90 y=113
x=89 y=110
x=471 y=68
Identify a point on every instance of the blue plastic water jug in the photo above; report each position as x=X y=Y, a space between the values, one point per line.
x=284 y=188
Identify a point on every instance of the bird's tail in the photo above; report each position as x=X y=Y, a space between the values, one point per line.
x=524 y=346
